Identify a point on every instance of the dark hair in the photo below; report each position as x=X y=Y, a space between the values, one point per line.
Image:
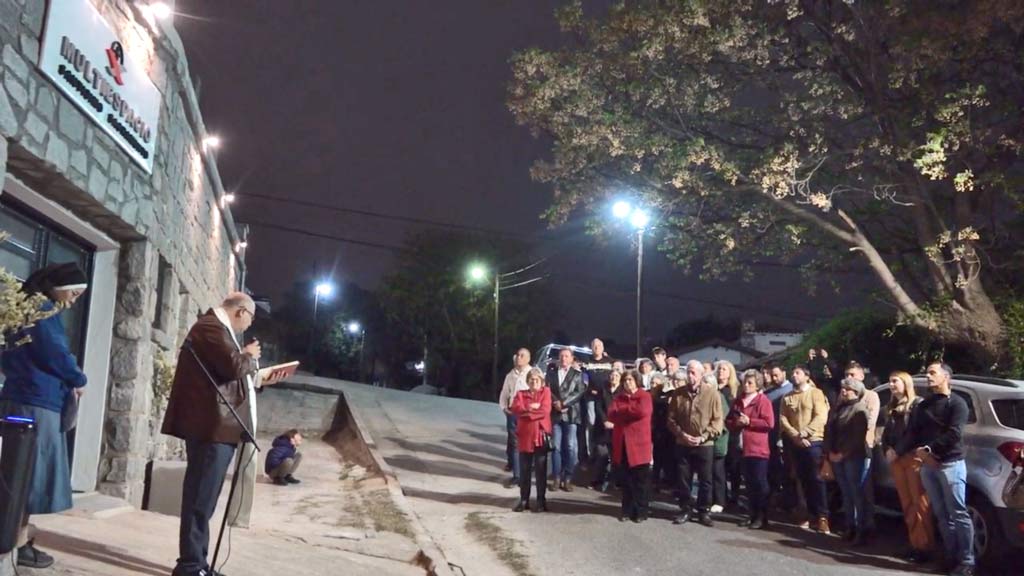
x=853 y=365
x=802 y=368
x=944 y=367
x=773 y=366
x=658 y=350
x=291 y=433
x=635 y=375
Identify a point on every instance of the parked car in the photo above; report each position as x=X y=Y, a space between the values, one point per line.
x=548 y=354
x=993 y=436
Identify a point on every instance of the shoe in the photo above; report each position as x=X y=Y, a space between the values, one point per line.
x=636 y=519
x=748 y=522
x=280 y=482
x=705 y=519
x=805 y=525
x=522 y=505
x=822 y=527
x=604 y=486
x=762 y=523
x=292 y=479
x=681 y=519
x=567 y=486
x=963 y=570
x=508 y=468
x=849 y=535
x=542 y=506
x=861 y=539
x=512 y=483
x=716 y=509
x=552 y=485
x=623 y=518
x=918 y=557
x=31 y=557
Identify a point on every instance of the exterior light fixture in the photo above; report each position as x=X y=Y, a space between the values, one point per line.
x=621 y=209
x=160 y=10
x=241 y=246
x=354 y=328
x=211 y=143
x=228 y=198
x=477 y=272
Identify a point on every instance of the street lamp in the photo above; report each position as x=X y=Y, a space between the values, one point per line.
x=478 y=273
x=323 y=289
x=353 y=329
x=639 y=219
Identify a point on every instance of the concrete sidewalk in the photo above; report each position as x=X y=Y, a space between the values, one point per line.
x=341 y=519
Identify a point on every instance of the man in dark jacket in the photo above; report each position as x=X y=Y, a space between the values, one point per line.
x=936 y=434
x=597 y=374
x=283 y=458
x=195 y=415
x=566 y=384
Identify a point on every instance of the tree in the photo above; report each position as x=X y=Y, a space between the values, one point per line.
x=17 y=309
x=429 y=302
x=830 y=133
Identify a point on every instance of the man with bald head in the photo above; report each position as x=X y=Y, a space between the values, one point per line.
x=596 y=374
x=208 y=429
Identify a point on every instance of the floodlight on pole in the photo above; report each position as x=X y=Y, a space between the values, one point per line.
x=621 y=209
x=639 y=219
x=477 y=272
x=324 y=289
x=160 y=10
x=354 y=328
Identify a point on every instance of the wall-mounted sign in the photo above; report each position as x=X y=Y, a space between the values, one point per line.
x=86 y=60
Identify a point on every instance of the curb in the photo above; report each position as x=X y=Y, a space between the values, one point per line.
x=430 y=556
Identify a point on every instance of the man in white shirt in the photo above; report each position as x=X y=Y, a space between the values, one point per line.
x=515 y=381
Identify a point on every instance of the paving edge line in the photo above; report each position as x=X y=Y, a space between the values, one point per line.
x=437 y=563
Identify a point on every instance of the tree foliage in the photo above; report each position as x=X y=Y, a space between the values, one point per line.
x=17 y=309
x=886 y=135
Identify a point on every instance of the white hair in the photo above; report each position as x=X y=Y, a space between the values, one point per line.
x=696 y=363
x=238 y=300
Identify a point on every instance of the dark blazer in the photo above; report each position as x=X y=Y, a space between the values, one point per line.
x=569 y=392
x=193 y=411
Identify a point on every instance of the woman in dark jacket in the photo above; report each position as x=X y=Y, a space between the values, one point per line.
x=719 y=474
x=629 y=419
x=602 y=435
x=846 y=447
x=753 y=418
x=533 y=408
x=43 y=381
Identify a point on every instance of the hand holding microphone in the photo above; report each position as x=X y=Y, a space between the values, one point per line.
x=253 y=349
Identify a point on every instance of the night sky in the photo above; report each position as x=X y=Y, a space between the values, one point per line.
x=398 y=107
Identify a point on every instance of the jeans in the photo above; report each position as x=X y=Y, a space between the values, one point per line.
x=808 y=466
x=755 y=477
x=566 y=455
x=512 y=445
x=852 y=474
x=947 y=493
x=204 y=477
x=699 y=460
x=533 y=463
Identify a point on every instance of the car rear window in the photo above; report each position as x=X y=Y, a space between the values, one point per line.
x=1010 y=412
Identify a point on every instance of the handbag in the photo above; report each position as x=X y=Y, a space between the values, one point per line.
x=826 y=473
x=69 y=412
x=547 y=442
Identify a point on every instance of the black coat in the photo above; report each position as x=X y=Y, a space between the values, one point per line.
x=569 y=392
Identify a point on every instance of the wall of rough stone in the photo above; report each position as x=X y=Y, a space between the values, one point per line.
x=168 y=221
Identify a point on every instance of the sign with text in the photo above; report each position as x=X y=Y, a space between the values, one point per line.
x=83 y=56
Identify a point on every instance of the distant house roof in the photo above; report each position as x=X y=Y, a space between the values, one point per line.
x=719 y=343
x=773 y=357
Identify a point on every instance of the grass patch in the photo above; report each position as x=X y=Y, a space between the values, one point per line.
x=491 y=535
x=385 y=515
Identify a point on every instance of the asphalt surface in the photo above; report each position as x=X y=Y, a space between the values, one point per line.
x=448 y=455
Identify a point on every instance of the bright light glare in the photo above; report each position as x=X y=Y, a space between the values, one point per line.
x=324 y=289
x=241 y=246
x=229 y=198
x=477 y=272
x=211 y=142
x=639 y=219
x=161 y=10
x=354 y=327
x=621 y=209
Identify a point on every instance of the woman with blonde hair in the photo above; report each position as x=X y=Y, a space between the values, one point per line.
x=729 y=387
x=906 y=469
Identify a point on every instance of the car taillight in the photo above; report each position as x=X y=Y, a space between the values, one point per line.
x=1012 y=451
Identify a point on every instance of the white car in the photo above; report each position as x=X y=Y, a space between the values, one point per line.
x=993 y=437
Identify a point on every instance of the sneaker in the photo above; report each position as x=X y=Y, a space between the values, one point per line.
x=292 y=479
x=822 y=526
x=280 y=482
x=682 y=518
x=522 y=505
x=716 y=509
x=552 y=485
x=805 y=525
x=31 y=557
x=567 y=486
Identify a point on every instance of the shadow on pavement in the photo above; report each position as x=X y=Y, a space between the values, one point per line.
x=497 y=439
x=441 y=468
x=446 y=452
x=85 y=549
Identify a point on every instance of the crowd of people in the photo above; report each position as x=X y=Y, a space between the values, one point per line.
x=706 y=434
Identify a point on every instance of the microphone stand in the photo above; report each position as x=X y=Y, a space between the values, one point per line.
x=246 y=437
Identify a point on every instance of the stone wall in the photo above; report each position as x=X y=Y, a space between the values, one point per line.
x=177 y=245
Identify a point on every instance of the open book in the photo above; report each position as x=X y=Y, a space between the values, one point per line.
x=279 y=371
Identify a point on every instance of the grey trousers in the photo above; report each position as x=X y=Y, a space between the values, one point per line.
x=288 y=466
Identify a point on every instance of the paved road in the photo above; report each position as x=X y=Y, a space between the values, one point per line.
x=448 y=455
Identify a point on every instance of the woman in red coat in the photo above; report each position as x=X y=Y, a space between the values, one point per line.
x=632 y=450
x=752 y=415
x=533 y=409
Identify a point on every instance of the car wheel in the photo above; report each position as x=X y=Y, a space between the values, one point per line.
x=989 y=544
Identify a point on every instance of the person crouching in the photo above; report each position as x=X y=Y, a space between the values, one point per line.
x=284 y=458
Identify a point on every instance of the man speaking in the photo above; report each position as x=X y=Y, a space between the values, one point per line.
x=210 y=432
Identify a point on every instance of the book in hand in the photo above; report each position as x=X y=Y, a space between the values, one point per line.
x=279 y=371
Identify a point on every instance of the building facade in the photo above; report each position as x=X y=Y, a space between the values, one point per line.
x=102 y=162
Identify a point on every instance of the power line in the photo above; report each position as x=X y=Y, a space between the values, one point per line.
x=327 y=236
x=383 y=216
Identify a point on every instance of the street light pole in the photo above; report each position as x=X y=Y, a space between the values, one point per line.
x=494 y=360
x=639 y=285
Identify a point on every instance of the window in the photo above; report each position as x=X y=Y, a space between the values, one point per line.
x=1010 y=412
x=35 y=243
x=776 y=343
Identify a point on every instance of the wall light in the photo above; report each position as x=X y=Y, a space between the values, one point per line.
x=241 y=246
x=161 y=10
x=211 y=142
